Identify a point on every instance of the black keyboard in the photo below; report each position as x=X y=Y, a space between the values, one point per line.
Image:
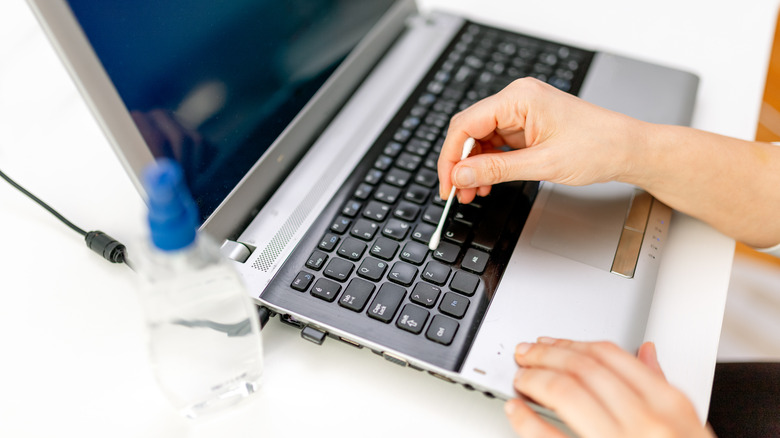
x=366 y=267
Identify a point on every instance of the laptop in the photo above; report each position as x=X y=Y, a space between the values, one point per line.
x=309 y=131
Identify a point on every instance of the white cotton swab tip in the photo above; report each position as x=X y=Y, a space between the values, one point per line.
x=468 y=145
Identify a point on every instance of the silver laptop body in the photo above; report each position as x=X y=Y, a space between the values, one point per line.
x=584 y=266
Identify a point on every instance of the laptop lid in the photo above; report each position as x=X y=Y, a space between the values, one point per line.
x=235 y=93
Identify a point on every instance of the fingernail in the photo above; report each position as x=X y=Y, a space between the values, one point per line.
x=509 y=407
x=465 y=177
x=522 y=348
x=545 y=340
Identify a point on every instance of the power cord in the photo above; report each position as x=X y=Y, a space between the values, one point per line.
x=98 y=241
x=105 y=245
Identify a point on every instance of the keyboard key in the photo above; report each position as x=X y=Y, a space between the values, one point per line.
x=363 y=191
x=356 y=295
x=396 y=229
x=326 y=289
x=302 y=281
x=373 y=176
x=338 y=269
x=454 y=305
x=412 y=318
x=408 y=162
x=469 y=214
x=456 y=232
x=376 y=210
x=446 y=252
x=385 y=304
x=425 y=294
x=432 y=214
x=418 y=146
x=341 y=225
x=328 y=242
x=387 y=193
x=402 y=135
x=352 y=248
x=384 y=248
x=414 y=252
x=442 y=330
x=393 y=149
x=474 y=260
x=402 y=273
x=372 y=269
x=423 y=232
x=417 y=194
x=427 y=178
x=406 y=211
x=383 y=162
x=351 y=209
x=464 y=283
x=364 y=229
x=316 y=260
x=398 y=177
x=436 y=272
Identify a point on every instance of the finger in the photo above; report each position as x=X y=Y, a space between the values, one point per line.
x=527 y=423
x=484 y=191
x=609 y=390
x=647 y=355
x=644 y=381
x=478 y=121
x=569 y=398
x=465 y=196
x=492 y=168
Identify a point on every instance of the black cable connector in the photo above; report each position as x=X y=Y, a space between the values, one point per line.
x=105 y=245
x=265 y=314
x=97 y=241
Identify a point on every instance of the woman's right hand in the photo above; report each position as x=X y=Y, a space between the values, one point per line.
x=554 y=137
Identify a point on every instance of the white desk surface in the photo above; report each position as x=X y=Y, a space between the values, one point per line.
x=73 y=357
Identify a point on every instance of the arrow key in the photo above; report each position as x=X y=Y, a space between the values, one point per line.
x=425 y=294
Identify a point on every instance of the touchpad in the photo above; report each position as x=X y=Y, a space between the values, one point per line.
x=584 y=223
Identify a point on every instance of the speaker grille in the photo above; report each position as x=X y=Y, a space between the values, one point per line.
x=270 y=253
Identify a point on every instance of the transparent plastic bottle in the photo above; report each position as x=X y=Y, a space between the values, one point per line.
x=203 y=330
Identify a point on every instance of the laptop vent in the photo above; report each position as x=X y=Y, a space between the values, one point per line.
x=267 y=258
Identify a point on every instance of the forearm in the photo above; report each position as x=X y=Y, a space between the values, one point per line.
x=733 y=185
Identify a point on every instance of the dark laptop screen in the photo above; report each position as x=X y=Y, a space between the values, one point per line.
x=212 y=83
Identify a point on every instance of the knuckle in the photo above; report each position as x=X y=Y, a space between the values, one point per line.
x=494 y=170
x=603 y=348
x=580 y=365
x=561 y=386
x=528 y=84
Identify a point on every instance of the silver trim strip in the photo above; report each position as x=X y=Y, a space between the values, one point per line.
x=334 y=155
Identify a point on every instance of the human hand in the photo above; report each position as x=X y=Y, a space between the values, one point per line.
x=598 y=390
x=554 y=136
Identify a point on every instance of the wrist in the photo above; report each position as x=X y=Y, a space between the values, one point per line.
x=642 y=155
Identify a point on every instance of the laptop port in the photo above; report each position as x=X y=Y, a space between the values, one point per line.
x=394 y=359
x=439 y=376
x=289 y=320
x=352 y=343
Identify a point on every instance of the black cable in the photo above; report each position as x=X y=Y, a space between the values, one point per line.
x=42 y=204
x=98 y=241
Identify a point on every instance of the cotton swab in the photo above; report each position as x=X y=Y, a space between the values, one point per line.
x=468 y=145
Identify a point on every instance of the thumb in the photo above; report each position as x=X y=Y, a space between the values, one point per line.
x=487 y=169
x=648 y=356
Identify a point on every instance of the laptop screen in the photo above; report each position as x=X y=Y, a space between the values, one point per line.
x=212 y=84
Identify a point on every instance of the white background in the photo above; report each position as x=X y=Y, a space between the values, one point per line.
x=73 y=359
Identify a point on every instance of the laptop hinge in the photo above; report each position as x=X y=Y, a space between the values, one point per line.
x=237 y=251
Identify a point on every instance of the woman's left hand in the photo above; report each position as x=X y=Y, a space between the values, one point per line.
x=598 y=390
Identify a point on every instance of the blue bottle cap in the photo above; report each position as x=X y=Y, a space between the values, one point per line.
x=173 y=215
